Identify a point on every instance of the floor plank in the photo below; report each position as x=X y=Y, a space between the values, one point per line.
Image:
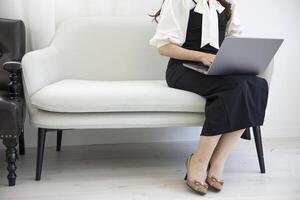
x=153 y=171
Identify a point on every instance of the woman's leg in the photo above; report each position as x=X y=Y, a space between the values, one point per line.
x=222 y=151
x=201 y=157
x=213 y=149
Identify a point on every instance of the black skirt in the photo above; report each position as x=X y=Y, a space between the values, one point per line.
x=233 y=102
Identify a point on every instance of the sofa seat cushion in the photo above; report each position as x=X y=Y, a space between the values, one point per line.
x=71 y=95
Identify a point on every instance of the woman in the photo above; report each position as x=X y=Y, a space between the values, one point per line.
x=193 y=30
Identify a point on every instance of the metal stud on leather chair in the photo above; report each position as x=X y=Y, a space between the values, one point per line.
x=12 y=104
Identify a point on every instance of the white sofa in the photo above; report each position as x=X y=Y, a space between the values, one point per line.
x=101 y=72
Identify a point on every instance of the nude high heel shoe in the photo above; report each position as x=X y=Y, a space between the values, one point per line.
x=197 y=186
x=214 y=182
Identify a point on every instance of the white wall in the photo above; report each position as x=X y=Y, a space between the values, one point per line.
x=262 y=18
x=279 y=19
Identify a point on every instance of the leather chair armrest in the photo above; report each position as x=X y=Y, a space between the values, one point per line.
x=15 y=85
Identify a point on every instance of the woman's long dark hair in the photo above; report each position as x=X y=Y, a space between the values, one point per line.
x=224 y=3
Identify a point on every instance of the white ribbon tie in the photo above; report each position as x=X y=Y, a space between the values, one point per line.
x=210 y=21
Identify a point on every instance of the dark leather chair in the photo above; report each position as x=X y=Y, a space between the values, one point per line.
x=12 y=103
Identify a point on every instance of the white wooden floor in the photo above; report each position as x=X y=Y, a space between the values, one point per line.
x=153 y=171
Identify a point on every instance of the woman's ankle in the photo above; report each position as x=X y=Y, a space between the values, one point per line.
x=199 y=169
x=200 y=159
x=216 y=169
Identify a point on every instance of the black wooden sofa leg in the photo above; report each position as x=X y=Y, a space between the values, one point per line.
x=11 y=156
x=58 y=140
x=40 y=152
x=22 y=143
x=259 y=148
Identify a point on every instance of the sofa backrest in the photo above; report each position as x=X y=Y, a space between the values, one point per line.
x=109 y=48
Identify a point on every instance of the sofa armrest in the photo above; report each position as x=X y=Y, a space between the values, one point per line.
x=268 y=73
x=41 y=68
x=15 y=85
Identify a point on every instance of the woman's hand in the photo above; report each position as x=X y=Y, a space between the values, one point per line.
x=178 y=52
x=207 y=58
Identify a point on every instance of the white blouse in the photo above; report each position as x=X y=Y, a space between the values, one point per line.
x=173 y=21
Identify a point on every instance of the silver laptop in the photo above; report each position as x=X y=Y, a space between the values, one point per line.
x=240 y=55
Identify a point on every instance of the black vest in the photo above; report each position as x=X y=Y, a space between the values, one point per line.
x=194 y=33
